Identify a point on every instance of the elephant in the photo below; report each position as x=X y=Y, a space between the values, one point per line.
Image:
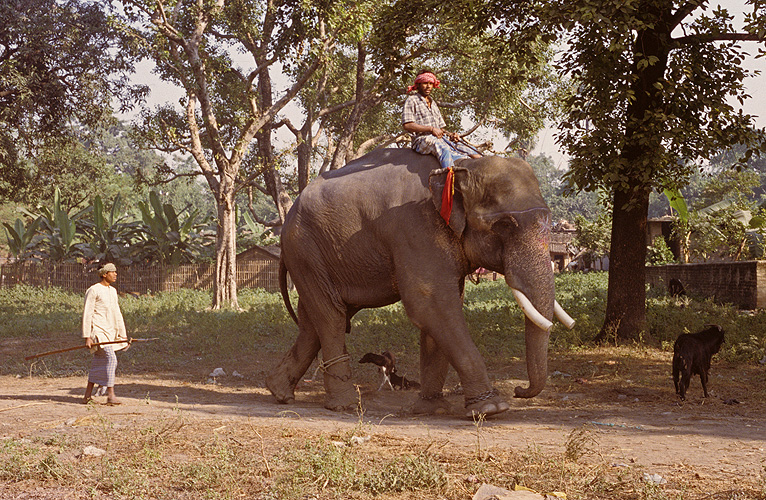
x=370 y=234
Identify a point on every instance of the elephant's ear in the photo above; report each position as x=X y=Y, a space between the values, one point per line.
x=436 y=182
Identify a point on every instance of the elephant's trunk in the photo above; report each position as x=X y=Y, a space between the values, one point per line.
x=538 y=329
x=537 y=360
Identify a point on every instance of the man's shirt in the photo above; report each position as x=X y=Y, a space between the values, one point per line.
x=416 y=110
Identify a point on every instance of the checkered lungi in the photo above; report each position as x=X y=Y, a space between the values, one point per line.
x=445 y=150
x=103 y=367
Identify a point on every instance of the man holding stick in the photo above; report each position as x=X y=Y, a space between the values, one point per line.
x=102 y=322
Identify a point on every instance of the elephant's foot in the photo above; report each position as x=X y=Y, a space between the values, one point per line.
x=348 y=401
x=341 y=395
x=485 y=404
x=281 y=386
x=431 y=405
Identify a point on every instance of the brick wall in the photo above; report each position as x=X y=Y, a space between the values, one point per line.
x=742 y=284
x=254 y=272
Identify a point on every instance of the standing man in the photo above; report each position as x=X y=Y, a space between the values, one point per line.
x=102 y=322
x=422 y=118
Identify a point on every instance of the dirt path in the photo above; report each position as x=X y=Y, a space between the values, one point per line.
x=714 y=442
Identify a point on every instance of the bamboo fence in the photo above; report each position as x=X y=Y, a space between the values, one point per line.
x=141 y=279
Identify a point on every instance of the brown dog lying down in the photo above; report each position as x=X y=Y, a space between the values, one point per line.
x=386 y=362
x=691 y=356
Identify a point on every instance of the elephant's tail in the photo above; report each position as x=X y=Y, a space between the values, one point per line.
x=283 y=289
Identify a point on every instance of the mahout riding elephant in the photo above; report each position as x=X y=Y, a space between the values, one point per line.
x=371 y=234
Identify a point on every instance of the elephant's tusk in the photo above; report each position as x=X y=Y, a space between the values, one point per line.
x=562 y=315
x=530 y=311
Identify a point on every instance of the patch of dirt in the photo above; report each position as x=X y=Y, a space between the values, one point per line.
x=630 y=408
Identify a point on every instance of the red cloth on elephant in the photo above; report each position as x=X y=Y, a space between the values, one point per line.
x=447 y=194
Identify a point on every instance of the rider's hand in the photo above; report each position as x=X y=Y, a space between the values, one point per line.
x=88 y=342
x=437 y=132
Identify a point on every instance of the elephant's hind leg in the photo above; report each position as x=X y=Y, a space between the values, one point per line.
x=340 y=394
x=283 y=379
x=328 y=324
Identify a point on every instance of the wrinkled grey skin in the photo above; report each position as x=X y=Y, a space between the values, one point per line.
x=370 y=234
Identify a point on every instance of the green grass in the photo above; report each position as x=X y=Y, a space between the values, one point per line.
x=192 y=335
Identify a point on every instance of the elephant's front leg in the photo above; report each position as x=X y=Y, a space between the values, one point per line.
x=440 y=316
x=433 y=373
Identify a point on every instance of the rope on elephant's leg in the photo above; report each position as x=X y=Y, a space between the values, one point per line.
x=324 y=365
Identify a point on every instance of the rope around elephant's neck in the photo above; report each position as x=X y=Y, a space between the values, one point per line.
x=324 y=365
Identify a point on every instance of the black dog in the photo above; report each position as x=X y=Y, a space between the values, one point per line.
x=676 y=288
x=403 y=382
x=386 y=362
x=691 y=356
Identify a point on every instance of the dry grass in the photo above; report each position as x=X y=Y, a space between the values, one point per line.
x=180 y=459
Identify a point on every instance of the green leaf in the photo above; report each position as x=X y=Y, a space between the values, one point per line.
x=677 y=203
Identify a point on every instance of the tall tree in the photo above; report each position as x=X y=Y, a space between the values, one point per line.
x=62 y=66
x=654 y=84
x=193 y=44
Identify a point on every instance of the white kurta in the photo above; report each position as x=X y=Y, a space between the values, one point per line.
x=102 y=318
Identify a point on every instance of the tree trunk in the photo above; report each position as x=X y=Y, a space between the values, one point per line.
x=626 y=299
x=304 y=151
x=271 y=177
x=225 y=283
x=626 y=296
x=344 y=150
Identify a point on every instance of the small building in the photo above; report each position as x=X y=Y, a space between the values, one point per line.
x=663 y=226
x=561 y=247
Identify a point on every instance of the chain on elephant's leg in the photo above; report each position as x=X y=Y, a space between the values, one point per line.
x=431 y=404
x=485 y=404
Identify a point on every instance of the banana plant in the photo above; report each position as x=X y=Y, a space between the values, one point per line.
x=718 y=226
x=20 y=235
x=168 y=240
x=59 y=231
x=109 y=237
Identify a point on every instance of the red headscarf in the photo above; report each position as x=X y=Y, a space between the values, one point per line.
x=424 y=78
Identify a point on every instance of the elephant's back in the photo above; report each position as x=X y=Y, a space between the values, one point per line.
x=382 y=159
x=377 y=181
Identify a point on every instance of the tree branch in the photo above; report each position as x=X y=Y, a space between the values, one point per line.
x=380 y=141
x=684 y=11
x=177 y=176
x=196 y=148
x=457 y=105
x=337 y=107
x=722 y=37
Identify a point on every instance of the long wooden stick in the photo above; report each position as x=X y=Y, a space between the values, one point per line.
x=85 y=347
x=22 y=406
